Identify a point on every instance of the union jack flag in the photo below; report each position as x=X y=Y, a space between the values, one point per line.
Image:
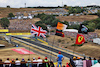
x=38 y=31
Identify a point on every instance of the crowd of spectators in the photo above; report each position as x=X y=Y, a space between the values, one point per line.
x=74 y=62
x=79 y=62
x=20 y=25
x=23 y=63
x=88 y=37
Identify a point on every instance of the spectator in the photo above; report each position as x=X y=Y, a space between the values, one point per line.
x=71 y=64
x=84 y=62
x=17 y=63
x=7 y=63
x=23 y=63
x=95 y=61
x=74 y=60
x=99 y=60
x=79 y=62
x=39 y=62
x=28 y=64
x=46 y=62
x=51 y=64
x=1 y=63
x=59 y=59
x=12 y=63
x=67 y=65
x=92 y=61
x=34 y=63
x=88 y=62
x=34 y=60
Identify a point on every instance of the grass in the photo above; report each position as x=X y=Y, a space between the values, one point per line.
x=77 y=18
x=89 y=49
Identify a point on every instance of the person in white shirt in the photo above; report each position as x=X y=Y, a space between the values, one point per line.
x=79 y=62
x=39 y=62
x=34 y=60
x=17 y=63
x=34 y=63
x=7 y=63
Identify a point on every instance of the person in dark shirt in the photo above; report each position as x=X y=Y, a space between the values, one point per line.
x=51 y=64
x=23 y=64
x=99 y=60
x=12 y=63
x=1 y=63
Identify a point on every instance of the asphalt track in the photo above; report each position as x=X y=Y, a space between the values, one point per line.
x=46 y=47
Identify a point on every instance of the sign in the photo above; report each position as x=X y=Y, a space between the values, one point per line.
x=22 y=51
x=4 y=30
x=18 y=33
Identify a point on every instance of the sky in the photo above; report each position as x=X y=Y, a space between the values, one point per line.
x=33 y=3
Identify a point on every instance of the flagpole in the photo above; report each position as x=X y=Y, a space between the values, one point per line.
x=52 y=47
x=74 y=46
x=29 y=52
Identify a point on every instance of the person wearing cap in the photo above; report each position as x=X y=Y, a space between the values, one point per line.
x=23 y=63
x=34 y=62
x=7 y=63
x=74 y=60
x=59 y=59
x=17 y=63
x=46 y=62
x=39 y=62
x=67 y=65
x=79 y=62
x=12 y=63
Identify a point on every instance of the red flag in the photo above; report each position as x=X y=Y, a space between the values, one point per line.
x=80 y=39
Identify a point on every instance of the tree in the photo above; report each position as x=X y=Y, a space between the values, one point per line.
x=4 y=23
x=98 y=26
x=43 y=26
x=66 y=23
x=65 y=6
x=54 y=22
x=10 y=15
x=98 y=13
x=8 y=6
x=91 y=26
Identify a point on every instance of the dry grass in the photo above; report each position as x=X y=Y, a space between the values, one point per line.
x=77 y=18
x=4 y=42
x=65 y=41
x=8 y=53
x=5 y=11
x=89 y=49
x=98 y=32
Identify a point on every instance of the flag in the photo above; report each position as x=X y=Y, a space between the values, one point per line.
x=38 y=31
x=59 y=33
x=61 y=26
x=83 y=29
x=80 y=39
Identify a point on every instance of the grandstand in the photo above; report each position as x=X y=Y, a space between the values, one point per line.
x=1 y=45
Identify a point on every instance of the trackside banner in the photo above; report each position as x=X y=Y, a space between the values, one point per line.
x=22 y=51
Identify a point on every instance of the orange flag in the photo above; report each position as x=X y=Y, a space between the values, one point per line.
x=80 y=39
x=61 y=26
